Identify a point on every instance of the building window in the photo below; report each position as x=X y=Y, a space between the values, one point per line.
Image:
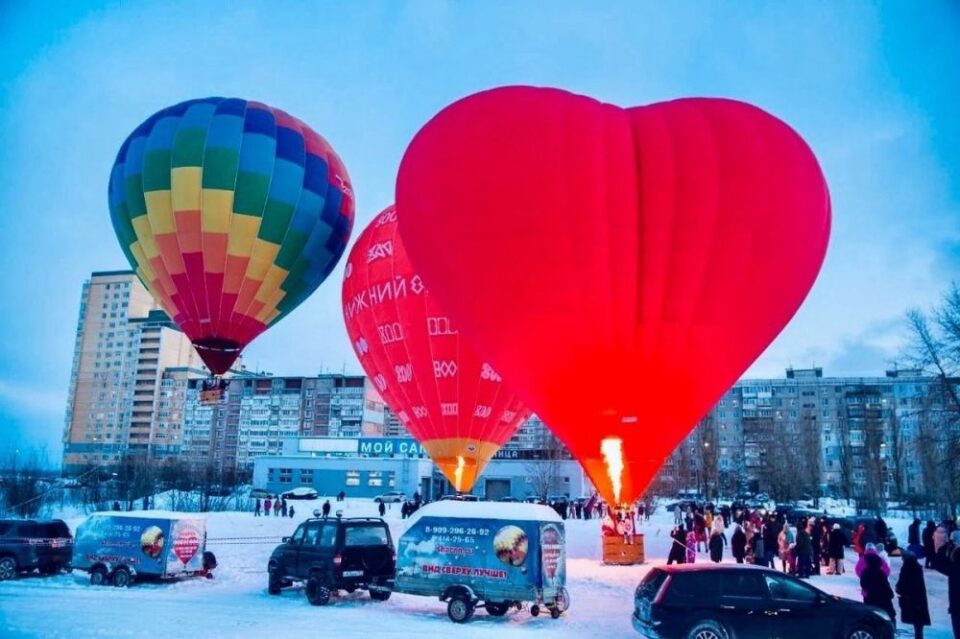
x=286 y=475
x=353 y=478
x=375 y=478
x=306 y=476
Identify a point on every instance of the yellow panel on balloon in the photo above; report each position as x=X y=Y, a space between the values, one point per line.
x=216 y=211
x=185 y=188
x=160 y=212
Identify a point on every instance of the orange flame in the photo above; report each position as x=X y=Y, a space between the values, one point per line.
x=612 y=449
x=458 y=473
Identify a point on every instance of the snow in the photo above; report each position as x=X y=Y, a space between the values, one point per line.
x=452 y=509
x=236 y=603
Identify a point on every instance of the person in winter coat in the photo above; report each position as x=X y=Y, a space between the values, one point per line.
x=678 y=547
x=326 y=509
x=859 y=543
x=628 y=528
x=862 y=561
x=382 y=509
x=759 y=547
x=824 y=544
x=283 y=508
x=875 y=586
x=291 y=511
x=691 y=547
x=784 y=547
x=837 y=543
x=266 y=506
x=677 y=515
x=700 y=528
x=913 y=594
x=815 y=530
x=717 y=541
x=256 y=508
x=770 y=534
x=947 y=562
x=929 y=552
x=880 y=529
x=804 y=553
x=913 y=533
x=738 y=543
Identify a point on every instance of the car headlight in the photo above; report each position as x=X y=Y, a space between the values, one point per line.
x=883 y=615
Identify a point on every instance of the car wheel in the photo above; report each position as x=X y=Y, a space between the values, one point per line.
x=380 y=595
x=317 y=593
x=862 y=632
x=460 y=608
x=563 y=600
x=121 y=577
x=535 y=610
x=8 y=568
x=708 y=629
x=274 y=582
x=497 y=609
x=98 y=576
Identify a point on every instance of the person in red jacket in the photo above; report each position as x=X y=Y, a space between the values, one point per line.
x=857 y=540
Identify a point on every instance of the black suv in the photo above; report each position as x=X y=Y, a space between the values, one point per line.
x=26 y=545
x=335 y=554
x=722 y=601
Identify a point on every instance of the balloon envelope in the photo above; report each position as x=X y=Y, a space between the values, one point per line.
x=232 y=213
x=620 y=268
x=443 y=392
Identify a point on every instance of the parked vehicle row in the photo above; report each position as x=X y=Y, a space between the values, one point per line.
x=28 y=545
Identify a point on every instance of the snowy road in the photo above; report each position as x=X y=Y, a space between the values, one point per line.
x=236 y=602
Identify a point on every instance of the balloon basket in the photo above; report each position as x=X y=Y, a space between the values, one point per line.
x=617 y=552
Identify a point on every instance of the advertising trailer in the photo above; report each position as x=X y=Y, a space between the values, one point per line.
x=491 y=554
x=119 y=547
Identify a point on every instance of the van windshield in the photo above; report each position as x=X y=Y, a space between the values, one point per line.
x=365 y=536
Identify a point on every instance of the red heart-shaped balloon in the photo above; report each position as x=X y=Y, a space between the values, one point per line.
x=620 y=268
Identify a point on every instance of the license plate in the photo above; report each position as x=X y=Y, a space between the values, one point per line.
x=353 y=573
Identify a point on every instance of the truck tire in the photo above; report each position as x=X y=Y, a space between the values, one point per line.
x=274 y=582
x=8 y=568
x=380 y=595
x=497 y=609
x=317 y=593
x=98 y=576
x=460 y=608
x=121 y=577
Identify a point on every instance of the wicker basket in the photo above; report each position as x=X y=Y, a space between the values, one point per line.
x=617 y=553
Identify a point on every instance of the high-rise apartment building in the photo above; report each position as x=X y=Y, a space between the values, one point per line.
x=258 y=412
x=806 y=434
x=123 y=349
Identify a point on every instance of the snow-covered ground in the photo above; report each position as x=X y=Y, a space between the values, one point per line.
x=236 y=603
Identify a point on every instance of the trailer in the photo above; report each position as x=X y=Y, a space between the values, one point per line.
x=492 y=554
x=120 y=547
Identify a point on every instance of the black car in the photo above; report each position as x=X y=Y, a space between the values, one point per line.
x=27 y=545
x=335 y=554
x=722 y=601
x=849 y=525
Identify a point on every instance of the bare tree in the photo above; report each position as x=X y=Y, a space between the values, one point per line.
x=545 y=472
x=23 y=485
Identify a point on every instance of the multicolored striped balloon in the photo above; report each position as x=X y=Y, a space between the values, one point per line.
x=232 y=213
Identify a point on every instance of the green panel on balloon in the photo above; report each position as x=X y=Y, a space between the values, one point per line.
x=156 y=170
x=276 y=221
x=220 y=168
x=251 y=193
x=188 y=148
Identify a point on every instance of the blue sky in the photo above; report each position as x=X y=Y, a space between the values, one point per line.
x=871 y=86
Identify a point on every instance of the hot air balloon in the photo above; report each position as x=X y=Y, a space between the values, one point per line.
x=442 y=391
x=232 y=213
x=621 y=268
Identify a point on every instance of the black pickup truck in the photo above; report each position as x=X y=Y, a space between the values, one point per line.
x=331 y=554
